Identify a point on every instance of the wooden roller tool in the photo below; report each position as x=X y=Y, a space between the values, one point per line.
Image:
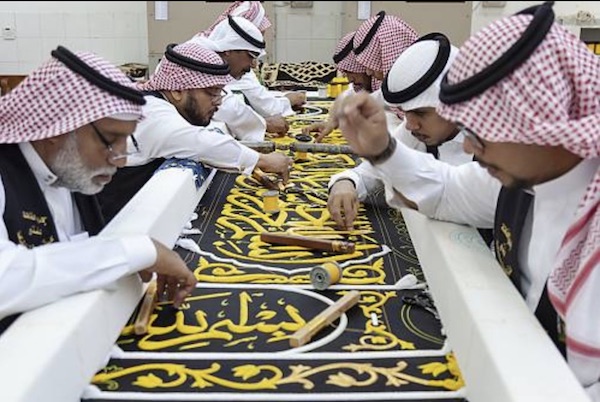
x=336 y=246
x=266 y=147
x=140 y=327
x=326 y=317
x=317 y=148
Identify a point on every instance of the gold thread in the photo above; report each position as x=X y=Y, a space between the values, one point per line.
x=271 y=201
x=325 y=275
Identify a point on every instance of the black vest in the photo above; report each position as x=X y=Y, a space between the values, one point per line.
x=124 y=185
x=511 y=212
x=27 y=215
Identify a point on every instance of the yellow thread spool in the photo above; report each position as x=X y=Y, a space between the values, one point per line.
x=271 y=201
x=325 y=275
x=330 y=91
x=344 y=83
x=301 y=156
x=337 y=86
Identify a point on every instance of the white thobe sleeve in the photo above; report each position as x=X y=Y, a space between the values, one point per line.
x=587 y=372
x=164 y=133
x=30 y=278
x=364 y=178
x=464 y=194
x=264 y=102
x=243 y=122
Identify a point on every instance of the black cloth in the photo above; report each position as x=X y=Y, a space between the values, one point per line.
x=433 y=150
x=26 y=214
x=124 y=185
x=511 y=211
x=308 y=75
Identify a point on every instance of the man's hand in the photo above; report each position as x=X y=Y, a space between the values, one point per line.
x=174 y=277
x=276 y=162
x=321 y=128
x=343 y=204
x=363 y=124
x=277 y=125
x=297 y=99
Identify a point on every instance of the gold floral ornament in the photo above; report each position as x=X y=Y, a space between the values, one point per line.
x=253 y=377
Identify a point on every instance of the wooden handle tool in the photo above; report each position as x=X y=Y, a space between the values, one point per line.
x=326 y=317
x=140 y=327
x=266 y=181
x=336 y=246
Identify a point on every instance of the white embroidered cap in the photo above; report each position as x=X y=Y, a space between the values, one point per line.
x=414 y=79
x=233 y=33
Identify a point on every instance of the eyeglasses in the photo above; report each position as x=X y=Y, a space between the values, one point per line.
x=114 y=155
x=252 y=55
x=473 y=138
x=216 y=94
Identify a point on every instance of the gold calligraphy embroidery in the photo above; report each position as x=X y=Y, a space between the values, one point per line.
x=504 y=247
x=35 y=229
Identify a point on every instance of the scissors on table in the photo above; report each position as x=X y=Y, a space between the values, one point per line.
x=422 y=300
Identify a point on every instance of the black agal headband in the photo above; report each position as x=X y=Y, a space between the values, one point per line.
x=187 y=62
x=341 y=55
x=543 y=17
x=245 y=35
x=427 y=79
x=78 y=66
x=370 y=34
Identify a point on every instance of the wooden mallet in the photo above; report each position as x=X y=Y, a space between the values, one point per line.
x=140 y=327
x=326 y=317
x=336 y=246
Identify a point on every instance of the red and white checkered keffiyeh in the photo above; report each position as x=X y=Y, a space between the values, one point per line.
x=349 y=62
x=54 y=100
x=253 y=11
x=173 y=77
x=552 y=99
x=391 y=38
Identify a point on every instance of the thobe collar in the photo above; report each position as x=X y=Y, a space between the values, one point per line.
x=38 y=166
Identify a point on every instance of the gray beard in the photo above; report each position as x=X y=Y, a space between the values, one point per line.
x=72 y=171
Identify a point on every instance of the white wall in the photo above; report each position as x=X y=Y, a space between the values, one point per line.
x=118 y=31
x=565 y=12
x=307 y=34
x=115 y=30
x=312 y=33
